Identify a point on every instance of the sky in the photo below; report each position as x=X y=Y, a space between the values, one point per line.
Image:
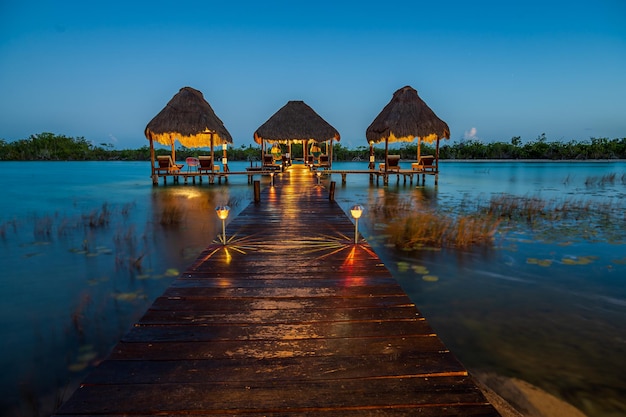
x=492 y=70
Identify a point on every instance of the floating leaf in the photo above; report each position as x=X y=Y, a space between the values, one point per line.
x=540 y=262
x=420 y=270
x=582 y=260
x=430 y=278
x=172 y=272
x=77 y=367
x=126 y=296
x=403 y=266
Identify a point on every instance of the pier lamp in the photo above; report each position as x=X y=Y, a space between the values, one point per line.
x=356 y=212
x=222 y=213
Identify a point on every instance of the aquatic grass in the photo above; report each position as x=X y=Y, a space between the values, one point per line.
x=606 y=179
x=98 y=218
x=43 y=227
x=431 y=229
x=6 y=226
x=171 y=216
x=410 y=224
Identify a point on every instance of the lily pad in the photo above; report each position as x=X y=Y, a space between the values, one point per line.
x=403 y=266
x=172 y=272
x=540 y=262
x=419 y=269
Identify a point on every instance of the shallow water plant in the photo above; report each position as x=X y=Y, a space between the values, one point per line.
x=430 y=229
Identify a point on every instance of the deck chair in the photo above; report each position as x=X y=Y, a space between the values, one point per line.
x=393 y=163
x=324 y=162
x=425 y=163
x=269 y=163
x=206 y=164
x=166 y=165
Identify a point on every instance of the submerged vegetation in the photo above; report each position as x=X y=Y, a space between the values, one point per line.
x=51 y=147
x=412 y=226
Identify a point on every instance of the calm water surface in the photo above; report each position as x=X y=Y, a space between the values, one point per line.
x=87 y=246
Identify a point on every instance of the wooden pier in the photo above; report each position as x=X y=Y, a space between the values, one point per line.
x=192 y=176
x=290 y=317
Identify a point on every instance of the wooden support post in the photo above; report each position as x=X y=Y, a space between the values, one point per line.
x=331 y=191
x=343 y=178
x=257 y=191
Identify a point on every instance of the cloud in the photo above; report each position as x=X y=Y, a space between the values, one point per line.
x=470 y=134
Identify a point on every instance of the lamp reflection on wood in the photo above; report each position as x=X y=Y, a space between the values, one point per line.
x=356 y=212
x=222 y=213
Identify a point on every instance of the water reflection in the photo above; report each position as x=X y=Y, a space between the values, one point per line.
x=545 y=303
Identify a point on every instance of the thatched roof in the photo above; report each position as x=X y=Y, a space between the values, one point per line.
x=295 y=121
x=406 y=117
x=188 y=118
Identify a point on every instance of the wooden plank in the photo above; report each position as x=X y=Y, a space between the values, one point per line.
x=262 y=349
x=295 y=397
x=198 y=333
x=407 y=364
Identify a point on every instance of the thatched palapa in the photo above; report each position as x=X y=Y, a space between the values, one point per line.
x=296 y=122
x=189 y=119
x=405 y=118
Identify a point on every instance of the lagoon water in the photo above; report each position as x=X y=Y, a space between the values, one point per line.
x=87 y=246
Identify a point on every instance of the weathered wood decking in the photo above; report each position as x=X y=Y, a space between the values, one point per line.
x=289 y=318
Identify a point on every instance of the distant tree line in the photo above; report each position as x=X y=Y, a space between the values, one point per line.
x=51 y=147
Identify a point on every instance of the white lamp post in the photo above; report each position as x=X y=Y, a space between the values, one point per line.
x=356 y=212
x=222 y=213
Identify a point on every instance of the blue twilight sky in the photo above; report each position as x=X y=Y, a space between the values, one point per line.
x=491 y=69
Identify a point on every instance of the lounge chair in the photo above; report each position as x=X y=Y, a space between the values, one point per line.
x=268 y=162
x=166 y=165
x=393 y=163
x=324 y=162
x=425 y=163
x=206 y=164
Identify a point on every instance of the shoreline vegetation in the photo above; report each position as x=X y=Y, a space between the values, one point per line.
x=52 y=147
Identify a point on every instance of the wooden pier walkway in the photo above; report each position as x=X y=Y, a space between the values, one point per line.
x=289 y=318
